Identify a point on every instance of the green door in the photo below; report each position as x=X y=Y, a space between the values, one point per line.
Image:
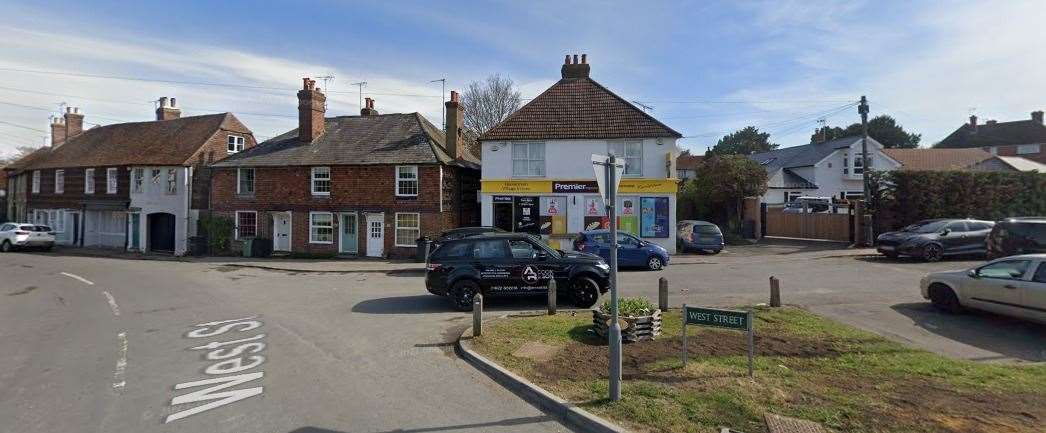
x=135 y=231
x=348 y=233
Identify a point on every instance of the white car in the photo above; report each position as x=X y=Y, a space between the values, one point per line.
x=19 y=235
x=1013 y=286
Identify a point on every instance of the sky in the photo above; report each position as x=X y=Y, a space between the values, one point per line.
x=704 y=68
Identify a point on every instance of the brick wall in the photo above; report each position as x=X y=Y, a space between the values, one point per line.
x=1011 y=150
x=360 y=189
x=214 y=150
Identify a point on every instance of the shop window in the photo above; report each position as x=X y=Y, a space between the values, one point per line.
x=528 y=159
x=407 y=181
x=321 y=181
x=321 y=228
x=632 y=152
x=408 y=229
x=246 y=224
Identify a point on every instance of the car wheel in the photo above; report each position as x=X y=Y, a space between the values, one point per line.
x=933 y=253
x=5 y=247
x=463 y=293
x=890 y=255
x=585 y=292
x=716 y=251
x=49 y=248
x=944 y=299
x=654 y=263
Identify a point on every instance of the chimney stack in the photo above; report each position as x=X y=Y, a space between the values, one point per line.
x=573 y=69
x=368 y=108
x=973 y=122
x=168 y=109
x=1037 y=116
x=57 y=131
x=310 y=111
x=74 y=122
x=455 y=131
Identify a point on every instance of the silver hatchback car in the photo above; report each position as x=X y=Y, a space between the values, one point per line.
x=1012 y=286
x=20 y=235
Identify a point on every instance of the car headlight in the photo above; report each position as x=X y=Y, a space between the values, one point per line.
x=603 y=265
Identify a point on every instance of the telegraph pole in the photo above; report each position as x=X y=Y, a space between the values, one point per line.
x=862 y=108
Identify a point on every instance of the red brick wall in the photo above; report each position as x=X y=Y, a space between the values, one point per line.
x=1011 y=150
x=214 y=150
x=360 y=189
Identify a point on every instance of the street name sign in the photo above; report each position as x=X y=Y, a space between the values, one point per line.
x=719 y=318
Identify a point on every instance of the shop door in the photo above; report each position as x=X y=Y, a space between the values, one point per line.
x=161 y=232
x=375 y=235
x=349 y=238
x=503 y=216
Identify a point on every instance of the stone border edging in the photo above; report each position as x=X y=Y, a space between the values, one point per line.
x=575 y=418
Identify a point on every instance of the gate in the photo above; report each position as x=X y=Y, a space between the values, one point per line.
x=835 y=224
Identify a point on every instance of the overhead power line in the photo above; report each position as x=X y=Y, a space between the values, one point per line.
x=23 y=127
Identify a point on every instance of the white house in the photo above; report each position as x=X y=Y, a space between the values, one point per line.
x=829 y=169
x=537 y=164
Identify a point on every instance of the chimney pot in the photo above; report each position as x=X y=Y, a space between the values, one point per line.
x=1037 y=116
x=455 y=140
x=566 y=61
x=584 y=59
x=167 y=110
x=973 y=120
x=311 y=110
x=575 y=59
x=454 y=96
x=173 y=105
x=575 y=69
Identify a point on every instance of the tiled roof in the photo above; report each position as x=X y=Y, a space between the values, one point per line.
x=805 y=155
x=937 y=159
x=578 y=108
x=995 y=134
x=406 y=138
x=166 y=142
x=27 y=160
x=689 y=162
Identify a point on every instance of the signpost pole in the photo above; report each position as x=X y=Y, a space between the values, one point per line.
x=615 y=327
x=684 y=335
x=751 y=344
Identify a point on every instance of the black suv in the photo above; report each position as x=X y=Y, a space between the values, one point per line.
x=1012 y=236
x=513 y=264
x=931 y=240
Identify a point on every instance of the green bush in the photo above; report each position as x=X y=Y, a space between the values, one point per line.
x=903 y=197
x=219 y=232
x=630 y=307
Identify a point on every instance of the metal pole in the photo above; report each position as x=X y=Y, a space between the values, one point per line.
x=477 y=315
x=615 y=327
x=684 y=335
x=751 y=344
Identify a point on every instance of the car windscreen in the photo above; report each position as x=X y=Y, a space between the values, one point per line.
x=707 y=229
x=925 y=227
x=454 y=250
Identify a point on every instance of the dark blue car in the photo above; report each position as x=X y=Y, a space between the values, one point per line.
x=700 y=236
x=631 y=251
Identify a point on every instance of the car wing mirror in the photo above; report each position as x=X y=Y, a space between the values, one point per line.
x=945 y=232
x=972 y=273
x=541 y=255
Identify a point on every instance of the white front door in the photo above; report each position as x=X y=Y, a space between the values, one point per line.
x=375 y=234
x=281 y=227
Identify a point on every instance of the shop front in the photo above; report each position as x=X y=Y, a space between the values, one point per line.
x=557 y=210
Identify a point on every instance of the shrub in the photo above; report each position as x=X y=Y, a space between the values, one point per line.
x=219 y=232
x=630 y=307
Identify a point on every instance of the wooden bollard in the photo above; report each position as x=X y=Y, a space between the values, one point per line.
x=775 y=292
x=552 y=297
x=662 y=293
x=477 y=315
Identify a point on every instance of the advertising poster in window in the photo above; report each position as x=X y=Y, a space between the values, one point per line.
x=627 y=220
x=553 y=215
x=594 y=213
x=526 y=215
x=654 y=217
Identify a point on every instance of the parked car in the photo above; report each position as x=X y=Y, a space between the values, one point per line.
x=1011 y=236
x=932 y=240
x=631 y=250
x=806 y=204
x=463 y=232
x=1013 y=286
x=700 y=236
x=513 y=264
x=23 y=235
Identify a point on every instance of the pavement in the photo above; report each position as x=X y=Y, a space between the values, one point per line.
x=117 y=344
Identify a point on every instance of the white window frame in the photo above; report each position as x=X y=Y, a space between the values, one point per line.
x=172 y=181
x=234 y=143
x=36 y=181
x=1028 y=149
x=239 y=181
x=59 y=181
x=529 y=159
x=138 y=180
x=417 y=230
x=313 y=179
x=112 y=181
x=312 y=226
x=89 y=181
x=237 y=229
x=155 y=175
x=636 y=160
x=416 y=179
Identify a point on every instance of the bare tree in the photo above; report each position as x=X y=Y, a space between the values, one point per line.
x=20 y=151
x=489 y=102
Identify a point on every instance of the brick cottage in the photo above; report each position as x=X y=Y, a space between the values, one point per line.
x=366 y=185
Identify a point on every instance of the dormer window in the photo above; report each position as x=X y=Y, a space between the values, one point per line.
x=235 y=143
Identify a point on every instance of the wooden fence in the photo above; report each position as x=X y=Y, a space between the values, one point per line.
x=827 y=226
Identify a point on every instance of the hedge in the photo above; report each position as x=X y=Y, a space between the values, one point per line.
x=900 y=197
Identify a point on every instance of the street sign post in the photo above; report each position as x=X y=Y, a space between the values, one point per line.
x=608 y=174
x=719 y=318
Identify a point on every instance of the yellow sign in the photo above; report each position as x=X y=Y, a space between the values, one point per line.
x=627 y=186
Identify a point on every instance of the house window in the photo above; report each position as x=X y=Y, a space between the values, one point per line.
x=172 y=181
x=36 y=182
x=632 y=152
x=408 y=229
x=139 y=179
x=235 y=143
x=846 y=164
x=321 y=181
x=321 y=228
x=245 y=181
x=59 y=181
x=110 y=180
x=528 y=159
x=792 y=195
x=89 y=181
x=407 y=181
x=156 y=176
x=58 y=220
x=1027 y=149
x=246 y=224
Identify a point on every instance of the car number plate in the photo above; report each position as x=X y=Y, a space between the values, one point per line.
x=886 y=247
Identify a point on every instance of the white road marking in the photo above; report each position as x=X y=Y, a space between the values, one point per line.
x=77 y=277
x=112 y=303
x=121 y=362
